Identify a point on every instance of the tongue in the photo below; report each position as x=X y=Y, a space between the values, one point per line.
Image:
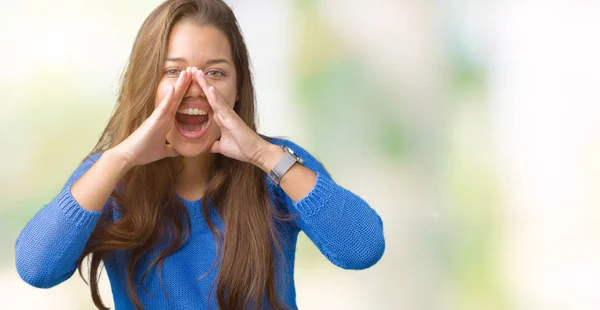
x=191 y=123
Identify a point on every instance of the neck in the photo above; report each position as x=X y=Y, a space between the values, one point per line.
x=192 y=180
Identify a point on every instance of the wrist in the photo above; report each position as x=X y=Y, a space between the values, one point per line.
x=118 y=160
x=269 y=156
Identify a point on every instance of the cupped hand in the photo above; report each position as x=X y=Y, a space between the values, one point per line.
x=148 y=143
x=238 y=140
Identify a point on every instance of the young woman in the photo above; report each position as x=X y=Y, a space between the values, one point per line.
x=182 y=201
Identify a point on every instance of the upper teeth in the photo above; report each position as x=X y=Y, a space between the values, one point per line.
x=191 y=111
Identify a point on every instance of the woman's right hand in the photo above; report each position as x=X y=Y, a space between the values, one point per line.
x=147 y=143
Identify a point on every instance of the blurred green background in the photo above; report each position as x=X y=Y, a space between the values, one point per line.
x=471 y=127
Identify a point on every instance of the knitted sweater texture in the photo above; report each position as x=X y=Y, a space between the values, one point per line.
x=342 y=225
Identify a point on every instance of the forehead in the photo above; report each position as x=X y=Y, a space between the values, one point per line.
x=196 y=43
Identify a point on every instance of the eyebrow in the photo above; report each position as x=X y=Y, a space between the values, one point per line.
x=208 y=62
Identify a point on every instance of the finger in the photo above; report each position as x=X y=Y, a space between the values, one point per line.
x=216 y=147
x=164 y=104
x=217 y=105
x=170 y=151
x=225 y=115
x=217 y=119
x=200 y=77
x=181 y=87
x=168 y=105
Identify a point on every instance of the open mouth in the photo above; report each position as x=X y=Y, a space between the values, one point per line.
x=192 y=123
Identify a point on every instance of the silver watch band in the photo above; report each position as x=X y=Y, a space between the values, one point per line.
x=286 y=162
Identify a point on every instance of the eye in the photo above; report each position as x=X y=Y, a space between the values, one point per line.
x=215 y=73
x=173 y=72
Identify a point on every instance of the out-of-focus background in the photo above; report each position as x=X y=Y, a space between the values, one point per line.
x=472 y=127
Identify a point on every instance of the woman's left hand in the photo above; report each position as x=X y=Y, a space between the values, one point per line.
x=238 y=141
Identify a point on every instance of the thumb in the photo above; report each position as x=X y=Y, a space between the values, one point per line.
x=216 y=147
x=170 y=151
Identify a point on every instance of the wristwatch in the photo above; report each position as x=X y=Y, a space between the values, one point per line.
x=286 y=162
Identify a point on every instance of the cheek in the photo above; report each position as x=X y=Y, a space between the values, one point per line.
x=229 y=96
x=161 y=91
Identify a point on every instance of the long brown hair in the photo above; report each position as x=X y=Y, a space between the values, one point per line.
x=151 y=212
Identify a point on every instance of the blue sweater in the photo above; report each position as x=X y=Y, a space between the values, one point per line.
x=343 y=226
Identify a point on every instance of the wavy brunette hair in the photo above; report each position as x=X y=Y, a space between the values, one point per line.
x=151 y=212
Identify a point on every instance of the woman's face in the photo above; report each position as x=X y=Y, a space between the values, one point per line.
x=206 y=48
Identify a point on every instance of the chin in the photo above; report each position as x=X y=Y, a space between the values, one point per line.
x=191 y=151
x=193 y=147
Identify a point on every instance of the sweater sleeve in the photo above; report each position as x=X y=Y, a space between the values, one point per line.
x=341 y=224
x=49 y=246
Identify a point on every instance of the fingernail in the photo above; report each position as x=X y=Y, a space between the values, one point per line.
x=200 y=72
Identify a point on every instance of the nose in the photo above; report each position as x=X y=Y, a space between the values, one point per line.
x=195 y=90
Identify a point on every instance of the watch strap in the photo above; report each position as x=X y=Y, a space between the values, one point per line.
x=286 y=162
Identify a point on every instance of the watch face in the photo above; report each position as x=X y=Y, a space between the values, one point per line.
x=290 y=151
x=287 y=149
